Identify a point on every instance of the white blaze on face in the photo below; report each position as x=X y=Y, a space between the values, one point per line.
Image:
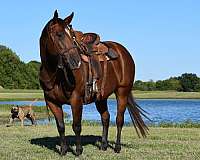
x=67 y=31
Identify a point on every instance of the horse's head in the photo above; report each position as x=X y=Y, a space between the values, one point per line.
x=57 y=42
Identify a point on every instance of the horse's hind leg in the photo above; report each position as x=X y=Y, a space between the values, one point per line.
x=105 y=118
x=122 y=100
x=58 y=113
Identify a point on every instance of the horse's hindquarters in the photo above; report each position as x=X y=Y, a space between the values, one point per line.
x=123 y=66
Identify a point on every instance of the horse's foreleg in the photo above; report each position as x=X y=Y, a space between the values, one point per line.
x=77 y=117
x=105 y=118
x=121 y=107
x=58 y=113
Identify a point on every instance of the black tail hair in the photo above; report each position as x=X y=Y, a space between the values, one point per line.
x=135 y=112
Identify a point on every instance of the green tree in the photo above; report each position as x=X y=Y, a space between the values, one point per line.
x=16 y=74
x=144 y=86
x=139 y=85
x=151 y=85
x=174 y=84
x=169 y=84
x=189 y=82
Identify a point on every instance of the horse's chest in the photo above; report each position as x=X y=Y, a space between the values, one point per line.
x=59 y=95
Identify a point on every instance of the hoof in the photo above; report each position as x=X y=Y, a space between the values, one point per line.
x=104 y=146
x=63 y=150
x=117 y=148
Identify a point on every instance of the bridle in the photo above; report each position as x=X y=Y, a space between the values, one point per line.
x=62 y=51
x=72 y=34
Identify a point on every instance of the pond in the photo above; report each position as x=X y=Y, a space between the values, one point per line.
x=167 y=110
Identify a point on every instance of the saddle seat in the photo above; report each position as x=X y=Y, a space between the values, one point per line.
x=91 y=44
x=90 y=38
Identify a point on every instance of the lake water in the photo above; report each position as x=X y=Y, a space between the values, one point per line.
x=159 y=110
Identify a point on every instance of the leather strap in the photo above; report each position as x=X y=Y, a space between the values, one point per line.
x=105 y=69
x=85 y=74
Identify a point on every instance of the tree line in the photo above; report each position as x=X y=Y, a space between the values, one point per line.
x=187 y=82
x=15 y=74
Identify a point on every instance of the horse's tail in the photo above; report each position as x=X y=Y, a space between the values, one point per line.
x=135 y=112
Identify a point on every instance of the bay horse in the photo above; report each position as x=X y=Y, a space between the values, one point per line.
x=65 y=85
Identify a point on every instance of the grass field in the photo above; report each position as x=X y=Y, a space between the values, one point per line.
x=166 y=95
x=9 y=95
x=41 y=142
x=20 y=94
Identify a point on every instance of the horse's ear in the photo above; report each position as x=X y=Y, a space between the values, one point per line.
x=55 y=14
x=69 y=18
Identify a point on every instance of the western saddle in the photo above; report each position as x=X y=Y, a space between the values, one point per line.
x=95 y=53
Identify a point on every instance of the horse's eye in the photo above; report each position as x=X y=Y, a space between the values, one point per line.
x=60 y=34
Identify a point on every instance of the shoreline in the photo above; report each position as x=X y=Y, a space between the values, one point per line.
x=18 y=99
x=23 y=95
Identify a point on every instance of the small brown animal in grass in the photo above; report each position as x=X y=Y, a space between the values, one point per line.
x=21 y=113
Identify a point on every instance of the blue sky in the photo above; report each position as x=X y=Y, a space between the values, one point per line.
x=162 y=36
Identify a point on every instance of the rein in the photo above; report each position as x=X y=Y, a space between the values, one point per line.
x=72 y=34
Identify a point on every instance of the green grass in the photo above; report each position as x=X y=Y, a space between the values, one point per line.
x=20 y=94
x=20 y=91
x=41 y=142
x=168 y=141
x=166 y=95
x=185 y=124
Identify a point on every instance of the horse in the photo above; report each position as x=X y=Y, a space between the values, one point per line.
x=64 y=84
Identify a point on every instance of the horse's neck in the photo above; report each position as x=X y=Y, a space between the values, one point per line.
x=47 y=76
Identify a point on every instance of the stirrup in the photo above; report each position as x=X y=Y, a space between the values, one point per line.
x=96 y=90
x=94 y=86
